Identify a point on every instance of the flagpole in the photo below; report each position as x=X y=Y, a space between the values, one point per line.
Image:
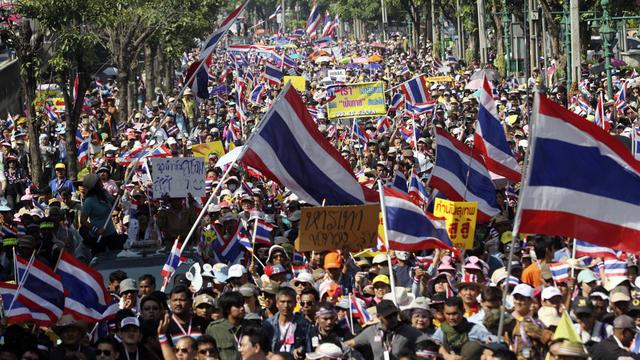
x=23 y=278
x=386 y=241
x=351 y=303
x=516 y=221
x=573 y=256
x=253 y=241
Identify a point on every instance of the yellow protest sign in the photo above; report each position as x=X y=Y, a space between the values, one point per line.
x=203 y=150
x=460 y=218
x=338 y=227
x=445 y=78
x=298 y=82
x=358 y=100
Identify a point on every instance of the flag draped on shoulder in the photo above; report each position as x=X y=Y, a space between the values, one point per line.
x=580 y=181
x=410 y=228
x=287 y=147
x=491 y=140
x=461 y=175
x=87 y=298
x=218 y=34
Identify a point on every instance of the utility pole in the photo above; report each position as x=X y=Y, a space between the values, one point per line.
x=506 y=23
x=607 y=34
x=567 y=40
x=383 y=10
x=575 y=40
x=482 y=33
x=284 y=10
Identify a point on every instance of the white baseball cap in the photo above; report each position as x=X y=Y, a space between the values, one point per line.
x=523 y=289
x=550 y=292
x=129 y=320
x=236 y=271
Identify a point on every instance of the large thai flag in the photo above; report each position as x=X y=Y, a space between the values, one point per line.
x=19 y=313
x=409 y=228
x=41 y=288
x=584 y=248
x=461 y=175
x=272 y=73
x=416 y=91
x=198 y=79
x=218 y=34
x=87 y=298
x=287 y=147
x=313 y=21
x=581 y=182
x=326 y=29
x=263 y=233
x=491 y=140
x=417 y=192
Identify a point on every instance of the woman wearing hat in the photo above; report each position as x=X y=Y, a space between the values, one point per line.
x=16 y=180
x=108 y=184
x=96 y=212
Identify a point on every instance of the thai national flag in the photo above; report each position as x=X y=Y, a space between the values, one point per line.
x=410 y=228
x=599 y=118
x=459 y=171
x=218 y=34
x=559 y=272
x=51 y=113
x=560 y=196
x=417 y=192
x=399 y=182
x=87 y=298
x=222 y=79
x=298 y=258
x=198 y=79
x=397 y=102
x=41 y=289
x=359 y=133
x=313 y=21
x=405 y=71
x=277 y=11
x=408 y=135
x=99 y=84
x=244 y=237
x=358 y=310
x=416 y=91
x=621 y=98
x=173 y=262
x=335 y=25
x=584 y=248
x=383 y=124
x=326 y=29
x=490 y=138
x=258 y=93
x=615 y=267
x=584 y=104
x=288 y=148
x=272 y=73
x=83 y=150
x=418 y=109
x=263 y=233
x=18 y=313
x=230 y=251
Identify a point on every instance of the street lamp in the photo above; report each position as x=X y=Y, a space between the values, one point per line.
x=506 y=23
x=608 y=35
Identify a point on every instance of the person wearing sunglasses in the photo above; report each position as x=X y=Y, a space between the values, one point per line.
x=186 y=348
x=207 y=348
x=107 y=349
x=130 y=334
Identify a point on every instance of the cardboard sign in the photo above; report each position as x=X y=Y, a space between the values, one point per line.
x=338 y=227
x=460 y=218
x=178 y=177
x=358 y=100
x=298 y=82
x=206 y=149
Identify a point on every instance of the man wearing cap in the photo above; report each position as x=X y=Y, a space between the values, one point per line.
x=130 y=335
x=402 y=270
x=129 y=295
x=522 y=298
x=588 y=328
x=203 y=305
x=71 y=333
x=61 y=182
x=389 y=338
x=617 y=345
x=236 y=277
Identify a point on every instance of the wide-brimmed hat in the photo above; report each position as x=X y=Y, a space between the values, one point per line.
x=402 y=296
x=67 y=321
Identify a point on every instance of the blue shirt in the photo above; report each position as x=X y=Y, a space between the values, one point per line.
x=58 y=185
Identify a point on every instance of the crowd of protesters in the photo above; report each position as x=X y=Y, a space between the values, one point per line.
x=316 y=305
